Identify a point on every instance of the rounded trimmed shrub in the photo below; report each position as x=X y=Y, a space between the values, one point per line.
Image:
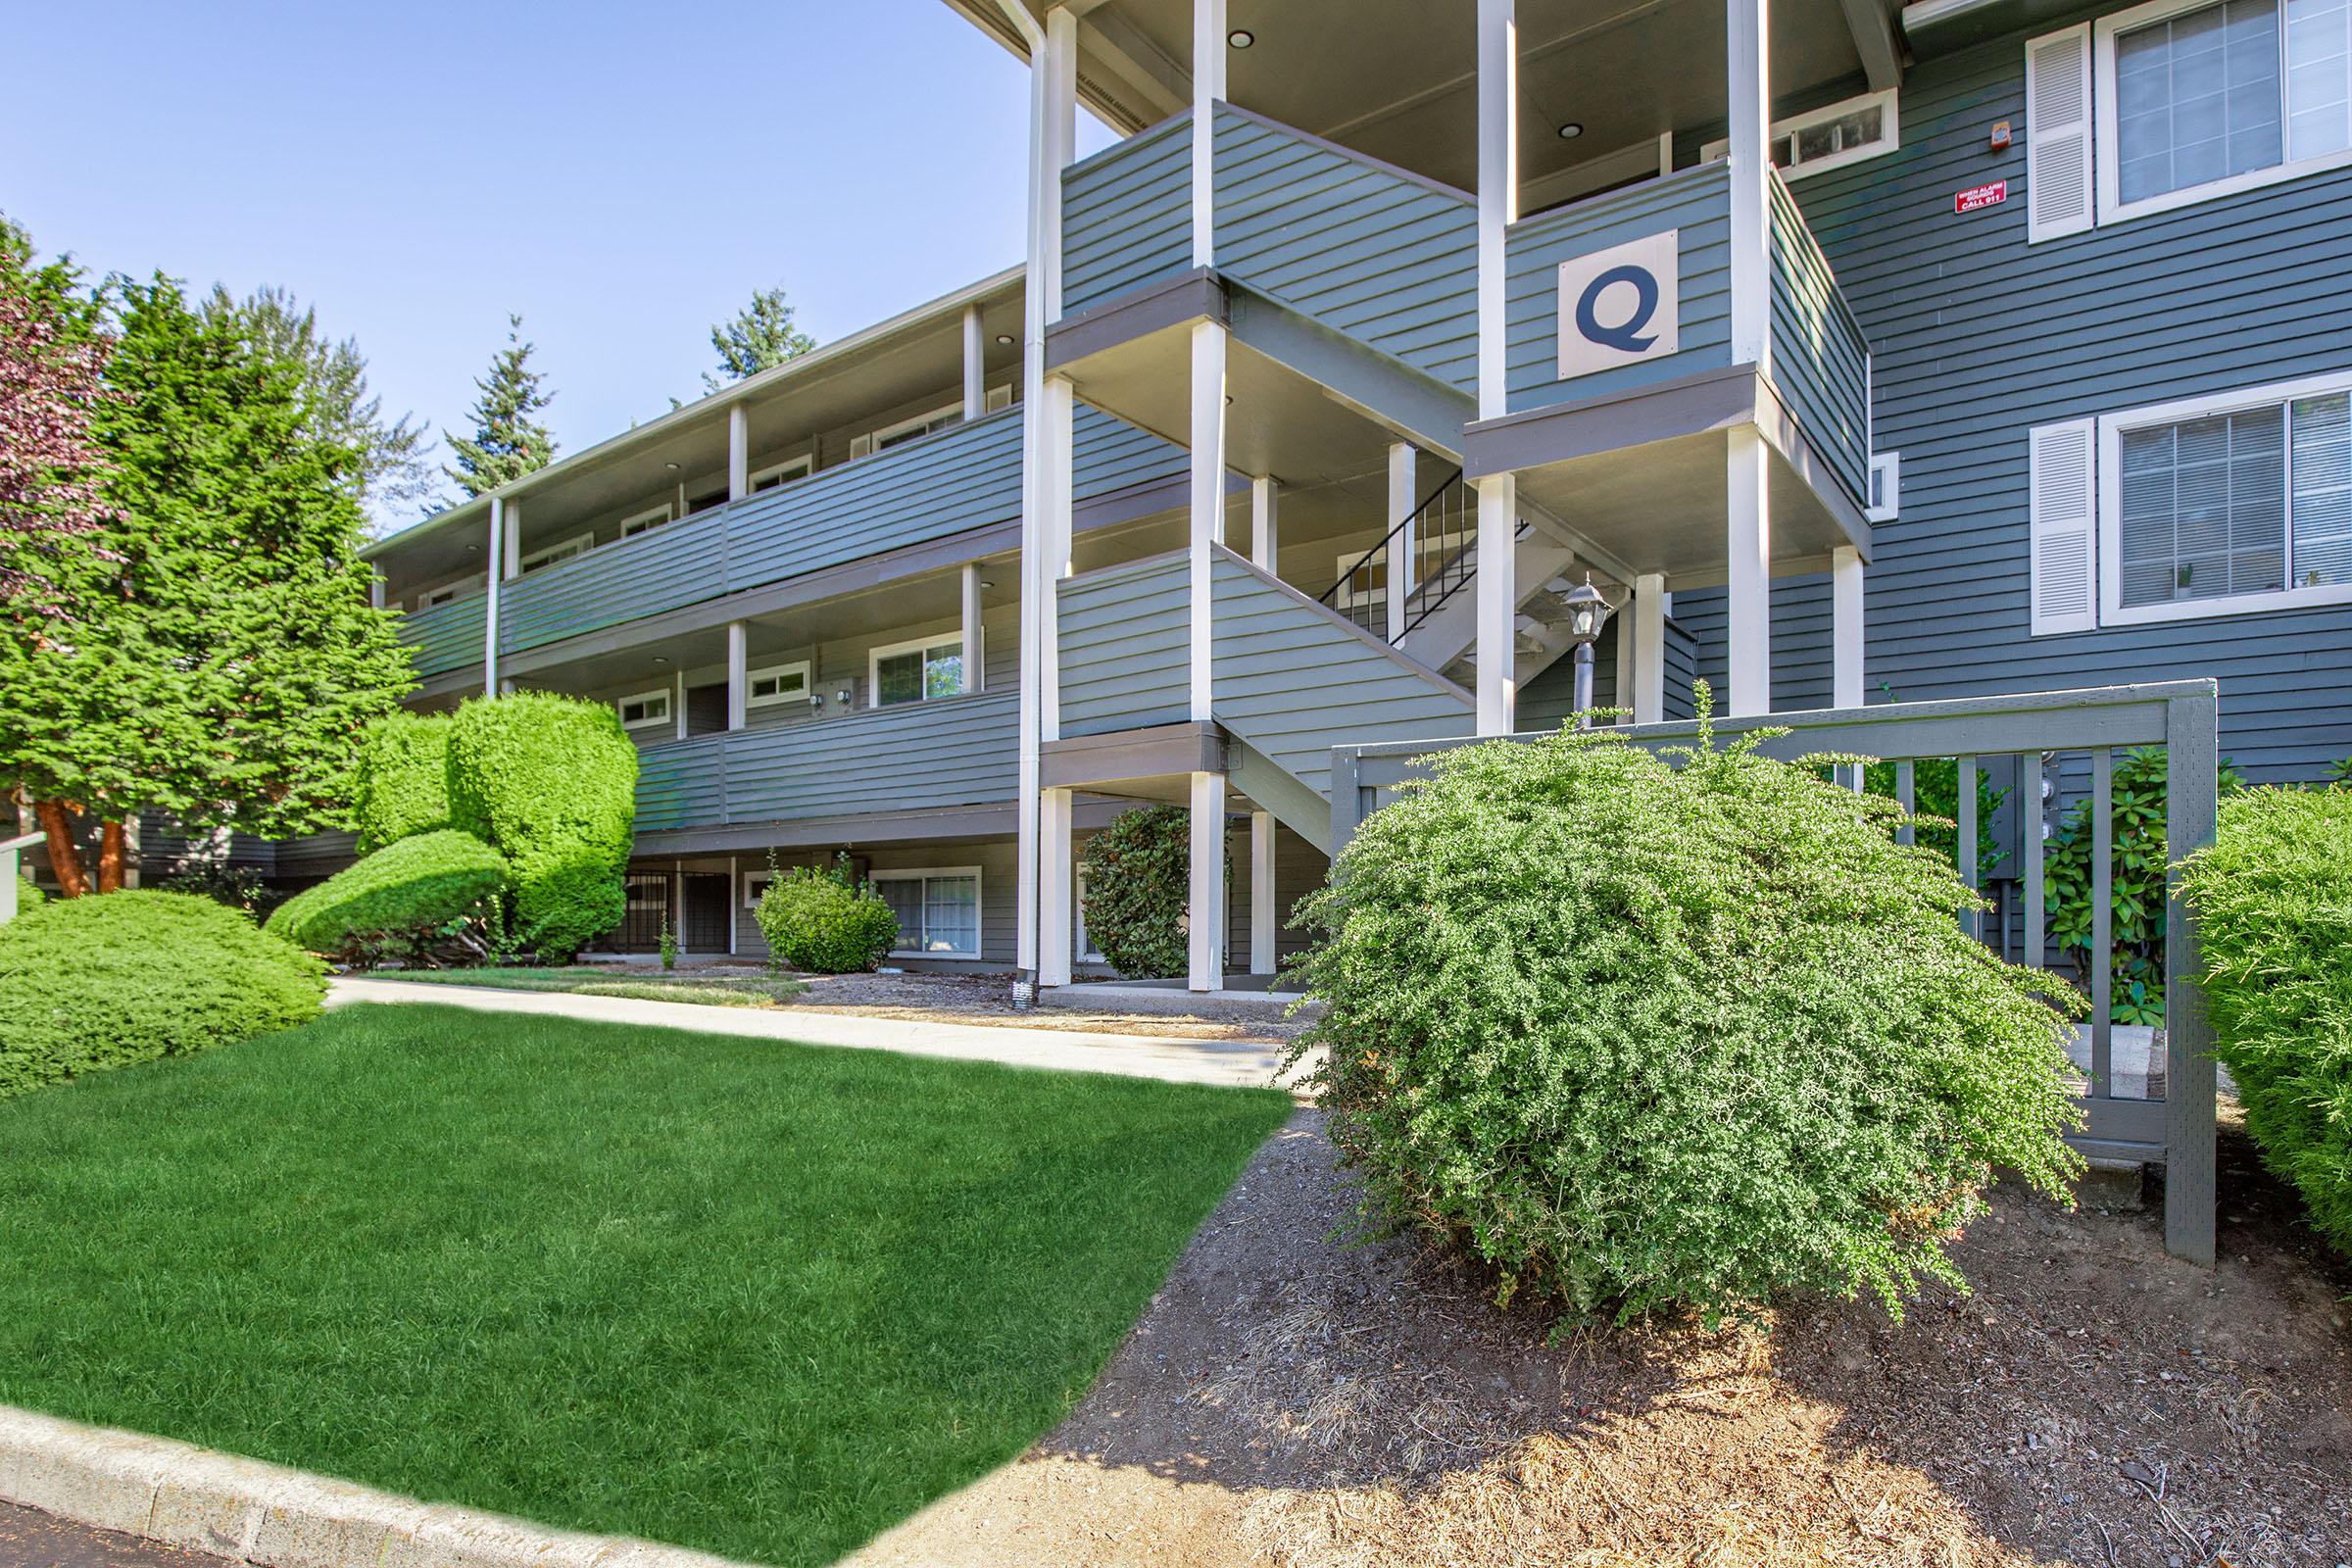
x=1138 y=885
x=552 y=781
x=825 y=921
x=403 y=773
x=114 y=978
x=1647 y=1036
x=422 y=898
x=2273 y=894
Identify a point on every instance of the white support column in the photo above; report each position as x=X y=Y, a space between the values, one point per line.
x=1747 y=59
x=677 y=701
x=375 y=591
x=1498 y=585
x=975 y=365
x=1622 y=696
x=1056 y=488
x=510 y=556
x=1207 y=492
x=1846 y=627
x=1403 y=555
x=1649 y=649
x=1266 y=919
x=734 y=904
x=1266 y=527
x=1208 y=85
x=497 y=552
x=1497 y=189
x=1748 y=543
x=739 y=640
x=739 y=451
x=1055 y=874
x=1205 y=903
x=976 y=677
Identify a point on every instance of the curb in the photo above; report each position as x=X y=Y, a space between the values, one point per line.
x=267 y=1515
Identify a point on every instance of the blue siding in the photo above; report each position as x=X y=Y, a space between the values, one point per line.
x=1820 y=362
x=1108 y=455
x=1370 y=251
x=1127 y=214
x=1696 y=202
x=1980 y=337
x=1125 y=638
x=447 y=637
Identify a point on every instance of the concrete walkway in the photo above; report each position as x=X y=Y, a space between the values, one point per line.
x=1246 y=1063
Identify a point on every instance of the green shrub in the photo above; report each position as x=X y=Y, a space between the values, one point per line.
x=552 y=781
x=1642 y=1036
x=427 y=898
x=28 y=892
x=403 y=779
x=1137 y=887
x=110 y=979
x=826 y=922
x=2274 y=901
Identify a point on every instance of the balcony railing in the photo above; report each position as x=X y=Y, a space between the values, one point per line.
x=447 y=637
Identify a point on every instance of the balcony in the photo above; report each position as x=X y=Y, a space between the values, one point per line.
x=447 y=638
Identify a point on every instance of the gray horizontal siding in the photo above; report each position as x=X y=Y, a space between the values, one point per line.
x=683 y=784
x=1294 y=681
x=445 y=638
x=1125 y=639
x=1696 y=202
x=1978 y=336
x=1369 y=251
x=662 y=569
x=1820 y=362
x=1127 y=214
x=1109 y=454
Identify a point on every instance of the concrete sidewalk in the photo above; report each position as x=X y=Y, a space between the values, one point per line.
x=1246 y=1063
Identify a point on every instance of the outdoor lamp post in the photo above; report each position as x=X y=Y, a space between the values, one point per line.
x=1588 y=612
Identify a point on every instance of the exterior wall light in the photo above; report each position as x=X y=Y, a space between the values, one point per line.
x=1572 y=130
x=1241 y=37
x=1588 y=612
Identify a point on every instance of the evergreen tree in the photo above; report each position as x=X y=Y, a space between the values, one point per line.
x=760 y=337
x=508 y=441
x=217 y=657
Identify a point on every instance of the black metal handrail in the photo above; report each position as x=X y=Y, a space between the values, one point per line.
x=1454 y=571
x=1329 y=596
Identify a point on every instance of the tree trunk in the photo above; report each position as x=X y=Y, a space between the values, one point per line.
x=110 y=857
x=64 y=856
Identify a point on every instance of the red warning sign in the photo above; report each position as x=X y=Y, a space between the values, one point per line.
x=1978 y=197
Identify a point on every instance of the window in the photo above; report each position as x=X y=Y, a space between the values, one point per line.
x=917 y=672
x=939 y=911
x=1828 y=138
x=1081 y=944
x=442 y=594
x=777 y=683
x=2202 y=99
x=784 y=472
x=645 y=709
x=548 y=556
x=754 y=887
x=651 y=517
x=905 y=430
x=1885 y=487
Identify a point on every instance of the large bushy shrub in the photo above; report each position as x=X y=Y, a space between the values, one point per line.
x=1642 y=1036
x=429 y=898
x=120 y=977
x=826 y=922
x=1137 y=887
x=552 y=781
x=403 y=776
x=2273 y=896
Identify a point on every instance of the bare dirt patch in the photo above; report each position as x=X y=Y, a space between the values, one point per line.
x=1292 y=1401
x=988 y=1000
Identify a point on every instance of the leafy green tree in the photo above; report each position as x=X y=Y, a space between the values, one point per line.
x=392 y=470
x=758 y=337
x=217 y=657
x=508 y=441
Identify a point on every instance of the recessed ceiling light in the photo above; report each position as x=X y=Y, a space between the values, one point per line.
x=661 y=659
x=1570 y=130
x=671 y=466
x=1241 y=37
x=1004 y=339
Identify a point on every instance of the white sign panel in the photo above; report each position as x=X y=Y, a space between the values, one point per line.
x=1621 y=306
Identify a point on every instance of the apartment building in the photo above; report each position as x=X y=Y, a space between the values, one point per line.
x=1857 y=353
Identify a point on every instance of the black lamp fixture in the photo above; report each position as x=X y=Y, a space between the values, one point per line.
x=1588 y=612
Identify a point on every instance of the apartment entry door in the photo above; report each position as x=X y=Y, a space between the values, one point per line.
x=705 y=924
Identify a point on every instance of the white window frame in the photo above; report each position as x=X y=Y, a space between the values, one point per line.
x=447 y=593
x=579 y=544
x=651 y=720
x=651 y=517
x=751 y=677
x=2107 y=161
x=875 y=655
x=778 y=473
x=1884 y=487
x=1080 y=942
x=946 y=416
x=754 y=884
x=2112 y=427
x=1888 y=117
x=979 y=906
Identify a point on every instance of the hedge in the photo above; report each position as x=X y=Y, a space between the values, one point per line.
x=1137 y=887
x=414 y=900
x=826 y=922
x=2273 y=894
x=114 y=978
x=552 y=781
x=403 y=779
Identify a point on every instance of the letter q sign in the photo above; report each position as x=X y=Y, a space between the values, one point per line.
x=1620 y=306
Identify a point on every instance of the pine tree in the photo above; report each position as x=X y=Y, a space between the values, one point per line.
x=508 y=441
x=760 y=337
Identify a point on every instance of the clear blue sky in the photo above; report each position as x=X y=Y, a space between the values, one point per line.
x=623 y=174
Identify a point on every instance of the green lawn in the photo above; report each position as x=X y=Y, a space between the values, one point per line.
x=762 y=1299
x=719 y=987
